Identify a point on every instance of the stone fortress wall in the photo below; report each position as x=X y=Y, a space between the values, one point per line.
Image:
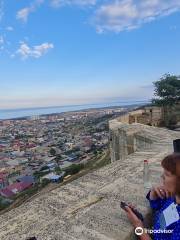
x=146 y=115
x=89 y=207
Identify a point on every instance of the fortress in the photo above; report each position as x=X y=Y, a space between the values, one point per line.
x=89 y=208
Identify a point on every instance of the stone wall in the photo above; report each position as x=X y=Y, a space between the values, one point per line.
x=126 y=139
x=147 y=115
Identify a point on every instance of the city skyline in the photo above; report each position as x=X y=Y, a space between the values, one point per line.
x=55 y=53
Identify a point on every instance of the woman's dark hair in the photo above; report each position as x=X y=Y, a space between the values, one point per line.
x=172 y=164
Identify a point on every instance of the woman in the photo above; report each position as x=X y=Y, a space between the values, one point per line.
x=165 y=201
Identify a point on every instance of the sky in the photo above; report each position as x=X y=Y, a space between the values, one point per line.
x=61 y=52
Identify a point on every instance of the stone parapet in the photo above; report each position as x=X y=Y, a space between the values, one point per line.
x=128 y=138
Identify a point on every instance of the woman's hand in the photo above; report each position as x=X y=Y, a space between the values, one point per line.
x=159 y=192
x=136 y=222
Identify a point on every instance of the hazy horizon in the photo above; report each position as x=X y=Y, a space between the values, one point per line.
x=86 y=104
x=27 y=112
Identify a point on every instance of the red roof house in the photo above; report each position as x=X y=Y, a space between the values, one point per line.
x=15 y=188
x=6 y=193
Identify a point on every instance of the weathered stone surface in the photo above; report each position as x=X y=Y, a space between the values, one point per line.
x=89 y=207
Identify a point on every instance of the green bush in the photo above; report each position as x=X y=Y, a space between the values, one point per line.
x=58 y=170
x=3 y=204
x=74 y=168
x=45 y=182
x=44 y=168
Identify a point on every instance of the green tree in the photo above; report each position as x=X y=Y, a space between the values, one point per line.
x=58 y=170
x=53 y=152
x=74 y=168
x=44 y=168
x=58 y=158
x=167 y=94
x=45 y=182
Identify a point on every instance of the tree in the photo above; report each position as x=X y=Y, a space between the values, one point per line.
x=74 y=168
x=44 y=168
x=52 y=151
x=167 y=90
x=45 y=182
x=167 y=93
x=58 y=170
x=58 y=158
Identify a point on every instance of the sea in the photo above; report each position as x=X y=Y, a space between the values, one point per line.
x=27 y=112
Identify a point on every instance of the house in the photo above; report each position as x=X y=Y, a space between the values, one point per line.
x=26 y=179
x=72 y=158
x=2 y=148
x=7 y=193
x=52 y=166
x=53 y=177
x=15 y=188
x=2 y=183
x=65 y=165
x=3 y=179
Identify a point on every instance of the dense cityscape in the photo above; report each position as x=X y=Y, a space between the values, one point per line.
x=38 y=150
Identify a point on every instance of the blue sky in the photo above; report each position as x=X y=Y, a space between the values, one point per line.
x=58 y=52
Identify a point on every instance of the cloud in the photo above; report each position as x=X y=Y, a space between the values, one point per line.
x=9 y=28
x=121 y=15
x=35 y=52
x=59 y=3
x=23 y=13
x=1 y=40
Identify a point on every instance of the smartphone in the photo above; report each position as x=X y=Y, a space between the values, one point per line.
x=123 y=205
x=138 y=214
